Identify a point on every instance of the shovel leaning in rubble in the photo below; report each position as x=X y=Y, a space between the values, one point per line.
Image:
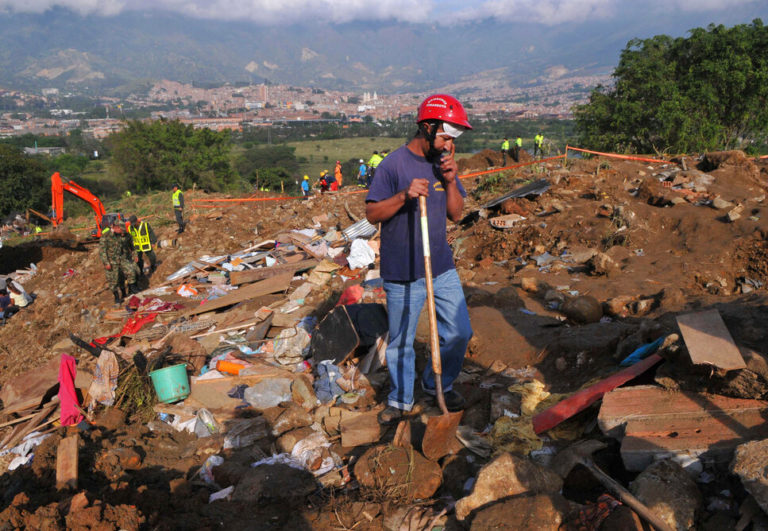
x=441 y=431
x=581 y=454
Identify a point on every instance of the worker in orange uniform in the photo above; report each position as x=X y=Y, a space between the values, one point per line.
x=337 y=174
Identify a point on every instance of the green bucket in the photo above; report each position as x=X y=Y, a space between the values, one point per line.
x=171 y=383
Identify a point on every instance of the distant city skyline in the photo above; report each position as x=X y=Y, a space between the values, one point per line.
x=440 y=12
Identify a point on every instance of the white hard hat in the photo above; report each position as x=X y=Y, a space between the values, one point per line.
x=361 y=161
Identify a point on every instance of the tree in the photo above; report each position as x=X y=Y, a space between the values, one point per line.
x=23 y=182
x=155 y=155
x=705 y=92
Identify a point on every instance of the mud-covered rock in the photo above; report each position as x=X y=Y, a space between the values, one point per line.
x=749 y=463
x=543 y=512
x=583 y=309
x=398 y=472
x=669 y=492
x=505 y=476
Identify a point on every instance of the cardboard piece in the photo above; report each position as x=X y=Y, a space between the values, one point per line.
x=709 y=341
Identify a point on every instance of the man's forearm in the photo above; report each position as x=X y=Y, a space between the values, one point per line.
x=379 y=211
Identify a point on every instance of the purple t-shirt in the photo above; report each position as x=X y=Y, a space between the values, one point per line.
x=402 y=256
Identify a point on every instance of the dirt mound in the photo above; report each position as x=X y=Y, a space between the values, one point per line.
x=712 y=161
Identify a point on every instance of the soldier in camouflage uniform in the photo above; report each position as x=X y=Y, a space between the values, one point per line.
x=116 y=253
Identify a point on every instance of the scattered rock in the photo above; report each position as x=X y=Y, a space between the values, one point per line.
x=111 y=418
x=749 y=463
x=602 y=264
x=288 y=440
x=543 y=512
x=669 y=492
x=721 y=204
x=505 y=476
x=583 y=309
x=283 y=419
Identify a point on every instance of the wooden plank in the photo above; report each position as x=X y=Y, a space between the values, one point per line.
x=22 y=430
x=67 y=463
x=656 y=423
x=265 y=287
x=579 y=401
x=252 y=275
x=709 y=341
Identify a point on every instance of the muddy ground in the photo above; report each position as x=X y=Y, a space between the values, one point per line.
x=610 y=229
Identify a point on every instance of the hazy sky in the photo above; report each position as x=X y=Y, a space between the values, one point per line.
x=428 y=11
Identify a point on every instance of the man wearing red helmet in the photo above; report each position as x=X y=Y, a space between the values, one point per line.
x=423 y=167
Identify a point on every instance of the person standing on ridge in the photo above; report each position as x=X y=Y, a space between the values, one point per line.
x=305 y=187
x=117 y=266
x=337 y=174
x=177 y=199
x=144 y=241
x=373 y=163
x=538 y=143
x=504 y=151
x=423 y=167
x=518 y=146
x=361 y=171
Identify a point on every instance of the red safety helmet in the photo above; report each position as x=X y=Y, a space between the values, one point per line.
x=445 y=108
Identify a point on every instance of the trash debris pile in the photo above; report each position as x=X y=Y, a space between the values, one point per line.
x=617 y=377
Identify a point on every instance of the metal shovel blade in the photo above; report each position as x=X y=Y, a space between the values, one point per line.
x=440 y=435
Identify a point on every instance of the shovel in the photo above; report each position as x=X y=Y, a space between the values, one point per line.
x=441 y=431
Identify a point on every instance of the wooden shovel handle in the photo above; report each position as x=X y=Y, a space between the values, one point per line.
x=434 y=341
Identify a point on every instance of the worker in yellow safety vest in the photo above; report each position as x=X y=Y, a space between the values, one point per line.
x=144 y=242
x=373 y=163
x=504 y=151
x=178 y=207
x=538 y=144
x=518 y=146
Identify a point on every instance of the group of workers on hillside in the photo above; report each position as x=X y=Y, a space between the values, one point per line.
x=514 y=152
x=332 y=182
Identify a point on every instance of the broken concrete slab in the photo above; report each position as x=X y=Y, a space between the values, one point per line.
x=670 y=493
x=749 y=463
x=654 y=423
x=505 y=476
x=709 y=341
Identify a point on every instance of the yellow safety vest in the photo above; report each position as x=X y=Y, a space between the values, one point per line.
x=505 y=145
x=374 y=161
x=519 y=142
x=140 y=237
x=176 y=201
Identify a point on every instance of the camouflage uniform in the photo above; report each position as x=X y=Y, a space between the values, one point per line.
x=116 y=251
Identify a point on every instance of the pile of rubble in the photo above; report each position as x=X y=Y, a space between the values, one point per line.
x=617 y=376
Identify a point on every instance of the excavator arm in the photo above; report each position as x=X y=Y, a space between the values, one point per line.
x=59 y=185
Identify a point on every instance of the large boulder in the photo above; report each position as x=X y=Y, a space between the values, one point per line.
x=543 y=512
x=749 y=463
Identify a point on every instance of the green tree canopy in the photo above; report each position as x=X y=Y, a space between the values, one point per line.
x=23 y=182
x=155 y=155
x=705 y=92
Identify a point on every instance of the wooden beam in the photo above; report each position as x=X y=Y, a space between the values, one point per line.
x=252 y=275
x=265 y=287
x=67 y=463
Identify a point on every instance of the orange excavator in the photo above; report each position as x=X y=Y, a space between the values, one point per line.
x=60 y=184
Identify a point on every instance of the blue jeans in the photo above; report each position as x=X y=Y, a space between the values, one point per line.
x=404 y=303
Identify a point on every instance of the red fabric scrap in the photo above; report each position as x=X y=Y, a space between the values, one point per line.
x=68 y=402
x=133 y=325
x=352 y=295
